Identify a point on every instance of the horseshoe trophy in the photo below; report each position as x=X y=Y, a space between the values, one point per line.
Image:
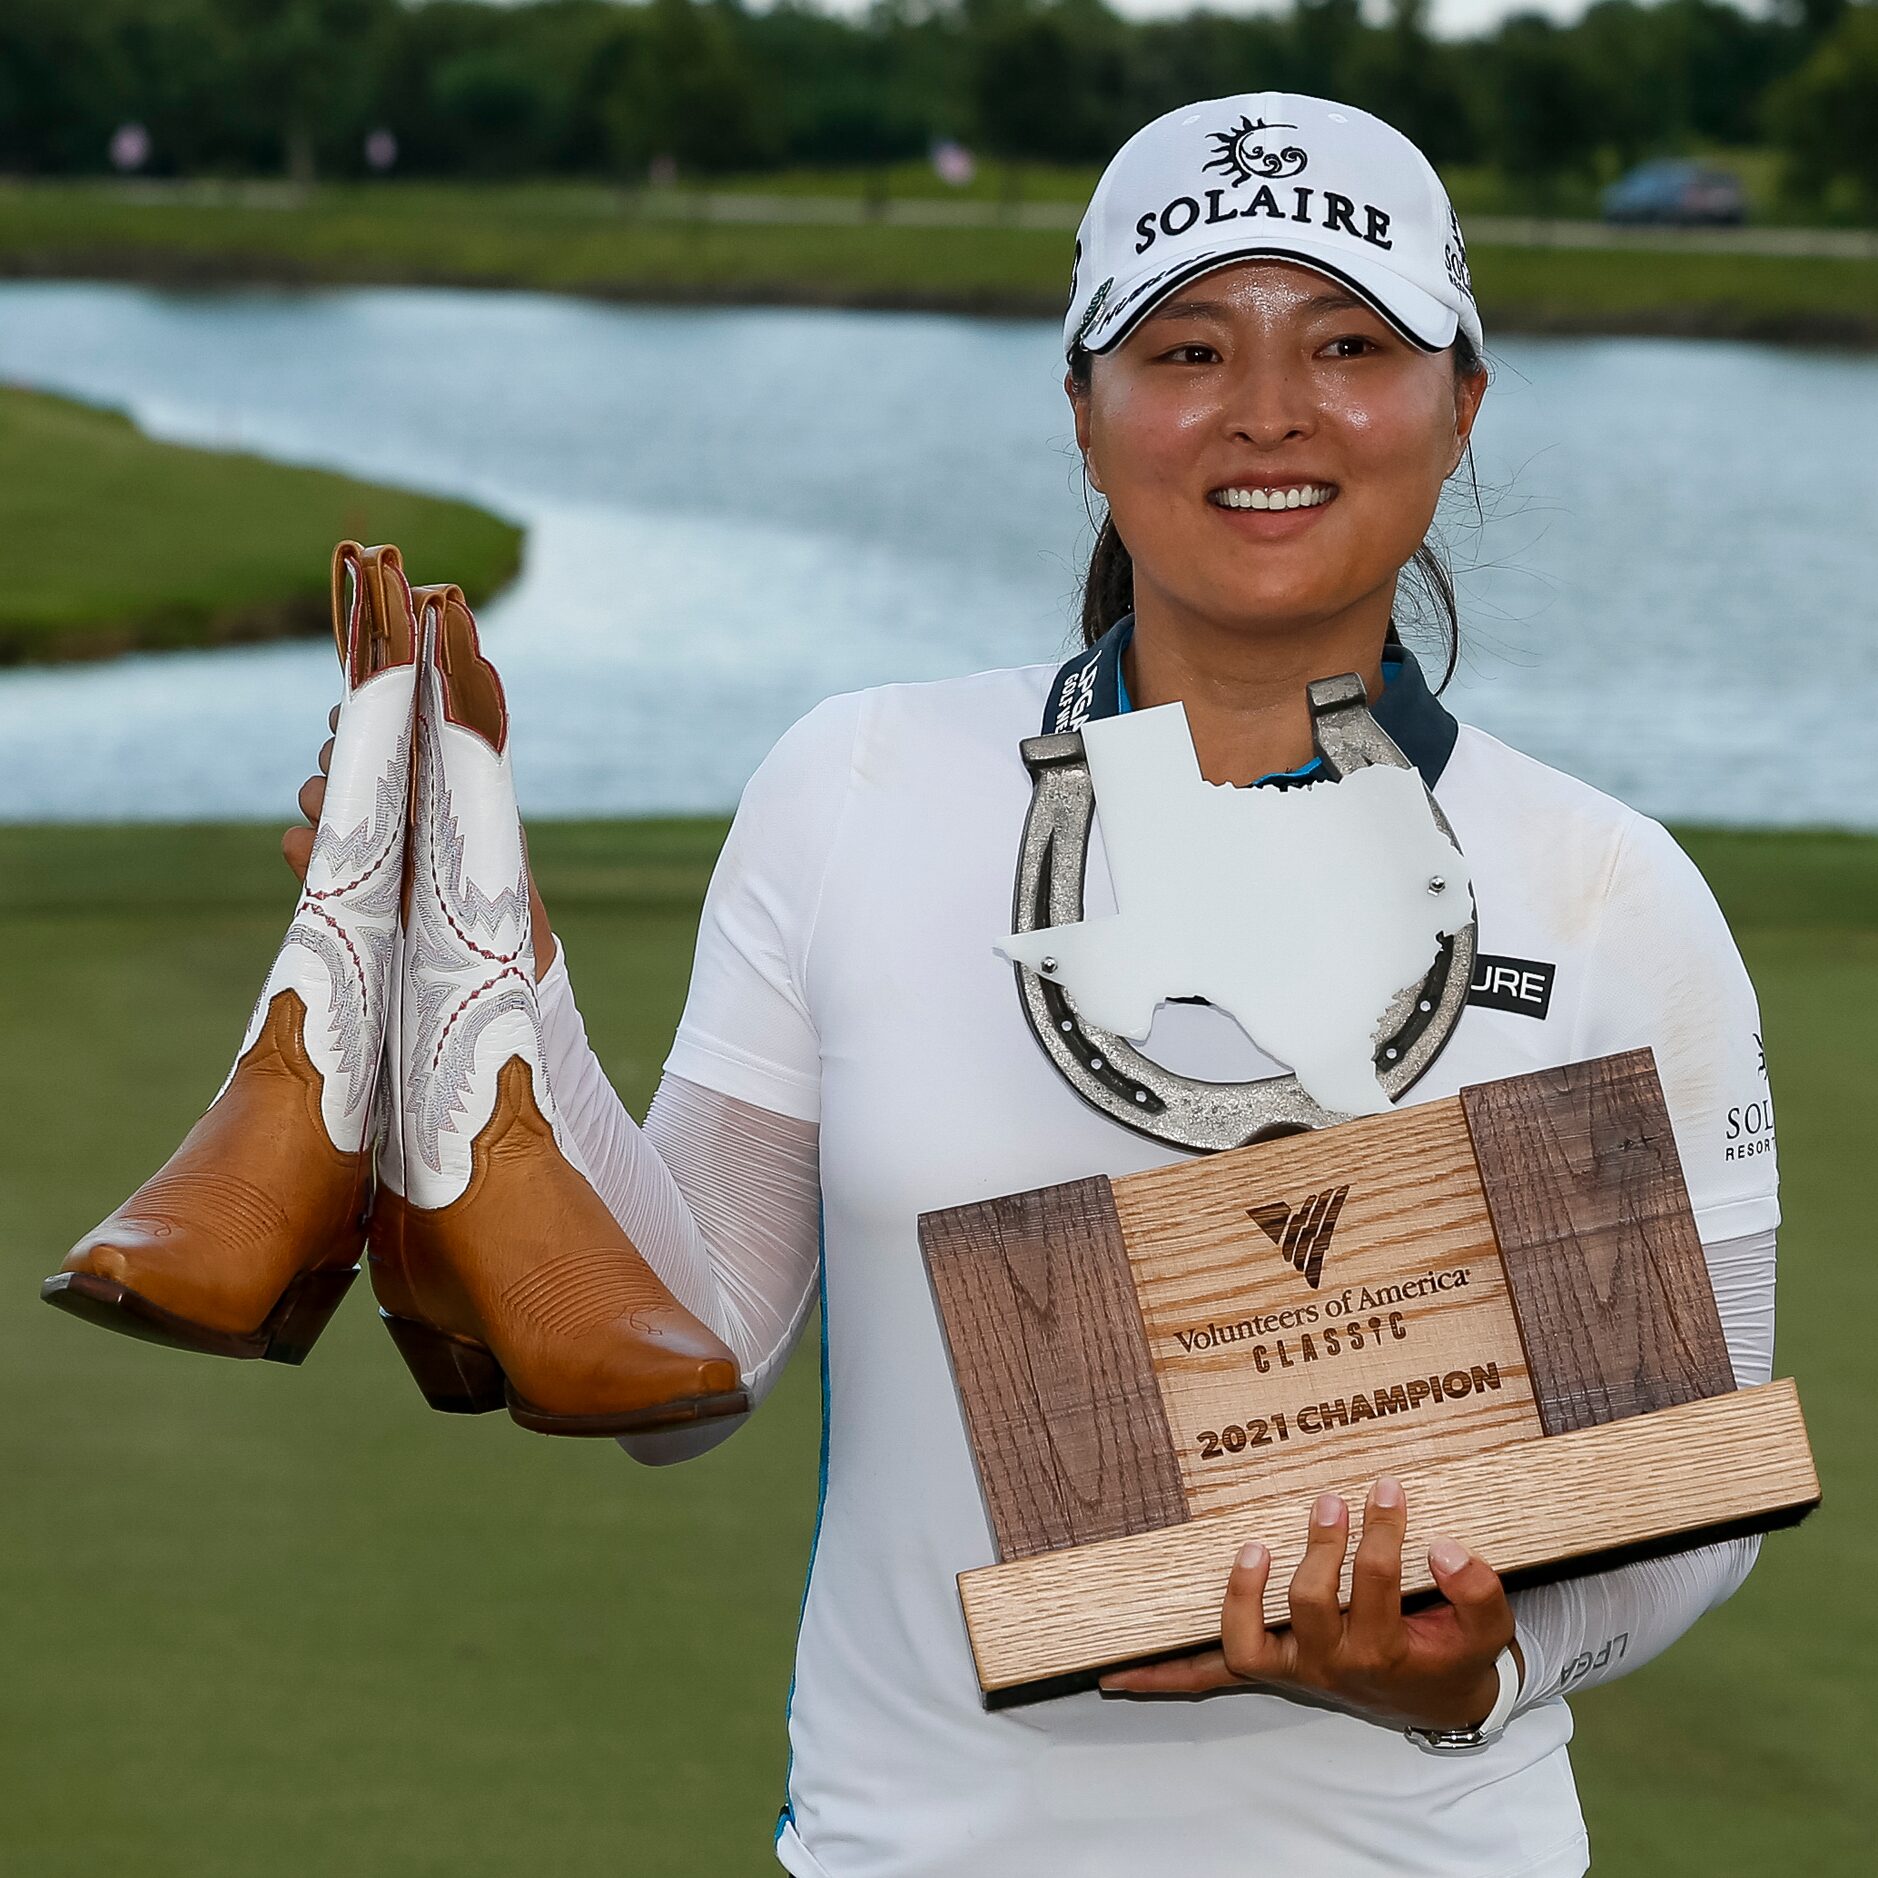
x=1105 y=1068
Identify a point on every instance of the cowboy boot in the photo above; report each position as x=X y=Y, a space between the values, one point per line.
x=244 y=1242
x=500 y=1273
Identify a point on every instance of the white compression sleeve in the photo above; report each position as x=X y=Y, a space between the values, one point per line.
x=1584 y=1631
x=722 y=1198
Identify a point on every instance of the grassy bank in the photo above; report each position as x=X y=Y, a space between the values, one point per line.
x=110 y=541
x=587 y=240
x=291 y=1623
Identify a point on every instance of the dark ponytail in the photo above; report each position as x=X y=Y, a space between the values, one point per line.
x=1108 y=583
x=1108 y=588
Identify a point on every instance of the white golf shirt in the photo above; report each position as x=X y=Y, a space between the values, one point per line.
x=845 y=975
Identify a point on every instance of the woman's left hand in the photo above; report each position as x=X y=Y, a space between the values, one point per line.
x=1431 y=1669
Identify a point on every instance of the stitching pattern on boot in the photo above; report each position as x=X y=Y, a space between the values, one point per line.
x=446 y=910
x=463 y=904
x=436 y=1101
x=350 y=997
x=357 y=916
x=575 y=1292
x=233 y=1211
x=369 y=846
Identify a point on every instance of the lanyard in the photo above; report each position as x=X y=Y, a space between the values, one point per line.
x=1090 y=685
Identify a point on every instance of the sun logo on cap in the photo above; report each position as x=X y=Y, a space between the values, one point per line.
x=1241 y=154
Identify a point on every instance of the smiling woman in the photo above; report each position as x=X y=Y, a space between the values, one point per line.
x=1270 y=399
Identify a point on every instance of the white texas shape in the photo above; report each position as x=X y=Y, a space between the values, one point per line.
x=1302 y=912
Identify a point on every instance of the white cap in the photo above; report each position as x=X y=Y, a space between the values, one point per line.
x=1271 y=173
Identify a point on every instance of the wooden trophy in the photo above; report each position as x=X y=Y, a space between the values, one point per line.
x=1498 y=1297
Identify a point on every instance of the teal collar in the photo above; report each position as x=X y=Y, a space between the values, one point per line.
x=1417 y=722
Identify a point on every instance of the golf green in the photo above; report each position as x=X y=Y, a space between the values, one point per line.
x=290 y=1622
x=112 y=541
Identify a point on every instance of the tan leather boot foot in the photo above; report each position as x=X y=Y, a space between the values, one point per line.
x=529 y=1261
x=244 y=1242
x=501 y=1274
x=211 y=1253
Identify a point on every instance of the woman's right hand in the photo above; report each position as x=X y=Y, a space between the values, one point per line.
x=297 y=843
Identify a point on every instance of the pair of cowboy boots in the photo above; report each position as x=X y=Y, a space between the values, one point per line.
x=391 y=1095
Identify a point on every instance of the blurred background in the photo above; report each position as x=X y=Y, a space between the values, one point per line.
x=714 y=349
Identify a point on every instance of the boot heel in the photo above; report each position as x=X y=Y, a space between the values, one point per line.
x=458 y=1378
x=305 y=1309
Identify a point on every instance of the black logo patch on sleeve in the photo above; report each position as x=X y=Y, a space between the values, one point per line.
x=1522 y=986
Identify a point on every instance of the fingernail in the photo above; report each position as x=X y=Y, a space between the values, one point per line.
x=1445 y=1556
x=1388 y=1491
x=1251 y=1556
x=1327 y=1511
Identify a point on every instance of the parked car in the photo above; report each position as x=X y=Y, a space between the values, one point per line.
x=1676 y=190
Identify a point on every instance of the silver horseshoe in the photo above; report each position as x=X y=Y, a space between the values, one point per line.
x=1103 y=1067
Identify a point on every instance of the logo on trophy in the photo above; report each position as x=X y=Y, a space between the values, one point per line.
x=1302 y=1232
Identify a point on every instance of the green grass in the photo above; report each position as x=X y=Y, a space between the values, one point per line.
x=283 y=1624
x=1475 y=189
x=1069 y=183
x=1747 y=1748
x=266 y=1621
x=584 y=239
x=1820 y=300
x=111 y=541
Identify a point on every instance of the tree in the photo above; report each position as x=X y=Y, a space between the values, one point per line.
x=62 y=87
x=526 y=87
x=1824 y=117
x=690 y=91
x=1815 y=19
x=1404 y=75
x=1176 y=58
x=848 y=91
x=1324 y=37
x=1049 y=79
x=307 y=64
x=1542 y=115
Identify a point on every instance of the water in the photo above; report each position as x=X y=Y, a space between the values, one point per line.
x=734 y=512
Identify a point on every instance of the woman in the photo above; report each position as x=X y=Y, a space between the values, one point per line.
x=1270 y=297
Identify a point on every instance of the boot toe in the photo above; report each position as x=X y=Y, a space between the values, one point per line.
x=718 y=1377
x=658 y=1369
x=119 y=1256
x=636 y=1368
x=176 y=1273
x=689 y=1349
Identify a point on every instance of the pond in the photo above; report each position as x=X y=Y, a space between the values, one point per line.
x=731 y=513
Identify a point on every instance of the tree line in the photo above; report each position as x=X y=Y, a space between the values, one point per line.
x=457 y=88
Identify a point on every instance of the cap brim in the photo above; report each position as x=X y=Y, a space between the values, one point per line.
x=1416 y=314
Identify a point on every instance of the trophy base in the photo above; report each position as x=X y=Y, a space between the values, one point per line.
x=1546 y=1507
x=1500 y=1297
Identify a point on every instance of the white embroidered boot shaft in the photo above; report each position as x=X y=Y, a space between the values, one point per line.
x=245 y=1240
x=500 y=1273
